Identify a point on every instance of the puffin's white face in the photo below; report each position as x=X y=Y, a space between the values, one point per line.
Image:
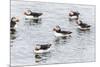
x=71 y=13
x=15 y=19
x=57 y=28
x=78 y=21
x=37 y=47
x=28 y=12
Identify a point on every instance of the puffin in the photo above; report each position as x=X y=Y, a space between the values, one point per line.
x=83 y=26
x=60 y=33
x=13 y=24
x=42 y=48
x=29 y=15
x=74 y=15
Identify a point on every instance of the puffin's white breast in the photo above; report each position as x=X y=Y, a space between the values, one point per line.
x=60 y=34
x=31 y=17
x=73 y=17
x=42 y=51
x=79 y=27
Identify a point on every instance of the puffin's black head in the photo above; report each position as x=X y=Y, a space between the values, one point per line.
x=72 y=13
x=57 y=28
x=79 y=21
x=14 y=19
x=37 y=47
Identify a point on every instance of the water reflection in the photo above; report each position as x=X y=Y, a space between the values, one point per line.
x=41 y=57
x=29 y=31
x=61 y=40
x=79 y=32
x=12 y=31
x=34 y=21
x=12 y=36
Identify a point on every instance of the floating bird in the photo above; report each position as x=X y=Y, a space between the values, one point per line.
x=29 y=15
x=58 y=32
x=74 y=15
x=13 y=24
x=83 y=26
x=42 y=48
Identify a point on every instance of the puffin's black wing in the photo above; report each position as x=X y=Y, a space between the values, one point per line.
x=65 y=32
x=36 y=14
x=12 y=23
x=45 y=47
x=84 y=25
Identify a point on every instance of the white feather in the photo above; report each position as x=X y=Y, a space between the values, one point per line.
x=31 y=17
x=79 y=27
x=73 y=17
x=60 y=34
x=15 y=26
x=42 y=51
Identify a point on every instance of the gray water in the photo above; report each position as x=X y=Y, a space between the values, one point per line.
x=80 y=47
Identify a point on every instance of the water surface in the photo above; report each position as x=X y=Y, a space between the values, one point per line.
x=78 y=48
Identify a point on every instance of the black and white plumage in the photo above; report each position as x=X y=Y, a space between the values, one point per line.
x=13 y=24
x=42 y=48
x=58 y=32
x=74 y=15
x=32 y=15
x=83 y=26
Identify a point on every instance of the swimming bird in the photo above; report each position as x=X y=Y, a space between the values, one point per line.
x=82 y=26
x=74 y=15
x=42 y=48
x=13 y=24
x=58 y=32
x=29 y=15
